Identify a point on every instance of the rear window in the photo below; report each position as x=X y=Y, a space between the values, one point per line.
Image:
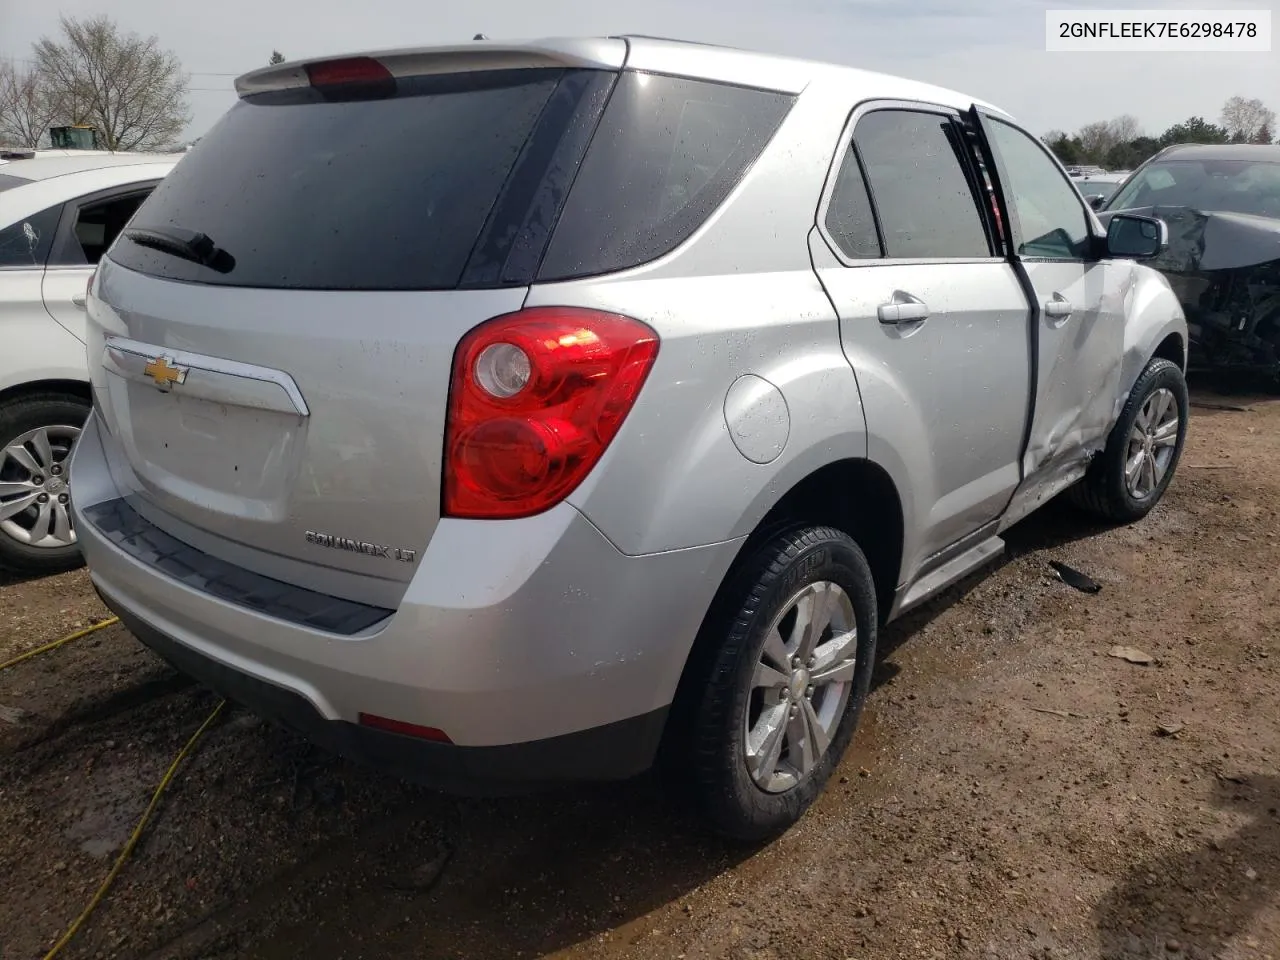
x=667 y=153
x=302 y=190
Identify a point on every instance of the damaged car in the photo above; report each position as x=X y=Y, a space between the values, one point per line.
x=1222 y=207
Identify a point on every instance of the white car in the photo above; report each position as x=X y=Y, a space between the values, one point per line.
x=57 y=217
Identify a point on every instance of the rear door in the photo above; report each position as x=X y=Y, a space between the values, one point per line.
x=88 y=226
x=932 y=318
x=1080 y=304
x=281 y=402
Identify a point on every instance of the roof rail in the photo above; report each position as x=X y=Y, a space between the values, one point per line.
x=650 y=36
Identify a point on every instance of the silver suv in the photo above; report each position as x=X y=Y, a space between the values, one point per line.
x=507 y=414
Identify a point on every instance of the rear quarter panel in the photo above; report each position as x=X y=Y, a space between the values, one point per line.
x=739 y=298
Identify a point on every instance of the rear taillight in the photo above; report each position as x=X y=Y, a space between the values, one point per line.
x=329 y=73
x=535 y=399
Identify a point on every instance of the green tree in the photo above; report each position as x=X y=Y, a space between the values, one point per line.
x=1263 y=135
x=1126 y=156
x=1066 y=149
x=276 y=57
x=1194 y=130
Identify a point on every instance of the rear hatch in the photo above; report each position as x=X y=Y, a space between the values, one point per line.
x=271 y=339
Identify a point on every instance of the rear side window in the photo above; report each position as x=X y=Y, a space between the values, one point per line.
x=850 y=220
x=26 y=243
x=915 y=165
x=667 y=153
x=305 y=189
x=96 y=226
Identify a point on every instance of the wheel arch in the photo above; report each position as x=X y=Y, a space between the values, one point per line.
x=1155 y=326
x=853 y=494
x=76 y=388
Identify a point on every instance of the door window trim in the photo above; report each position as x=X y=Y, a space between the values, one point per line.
x=65 y=233
x=846 y=146
x=1092 y=223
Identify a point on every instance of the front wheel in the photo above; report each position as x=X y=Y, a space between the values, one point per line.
x=787 y=683
x=1131 y=475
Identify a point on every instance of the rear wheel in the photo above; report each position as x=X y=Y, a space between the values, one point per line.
x=787 y=684
x=37 y=434
x=1131 y=475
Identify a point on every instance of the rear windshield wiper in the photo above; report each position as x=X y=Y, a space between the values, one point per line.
x=187 y=244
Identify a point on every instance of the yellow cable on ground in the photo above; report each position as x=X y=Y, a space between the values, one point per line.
x=57 y=643
x=137 y=832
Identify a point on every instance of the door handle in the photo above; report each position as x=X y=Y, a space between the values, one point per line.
x=903 y=308
x=1059 y=306
x=79 y=300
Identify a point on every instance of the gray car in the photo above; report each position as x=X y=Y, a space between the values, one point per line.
x=511 y=414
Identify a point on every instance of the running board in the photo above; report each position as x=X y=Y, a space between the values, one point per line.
x=951 y=571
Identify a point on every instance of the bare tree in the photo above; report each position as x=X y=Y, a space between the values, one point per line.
x=125 y=85
x=1096 y=139
x=26 y=108
x=1244 y=118
x=1125 y=128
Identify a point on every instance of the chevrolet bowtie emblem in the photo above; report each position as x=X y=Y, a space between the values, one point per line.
x=163 y=373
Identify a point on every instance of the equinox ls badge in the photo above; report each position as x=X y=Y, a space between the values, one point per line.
x=360 y=546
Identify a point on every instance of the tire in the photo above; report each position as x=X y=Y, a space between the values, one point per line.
x=802 y=563
x=1104 y=491
x=60 y=417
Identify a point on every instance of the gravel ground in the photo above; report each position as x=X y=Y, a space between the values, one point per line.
x=1015 y=791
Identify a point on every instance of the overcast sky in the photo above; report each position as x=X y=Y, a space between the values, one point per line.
x=992 y=49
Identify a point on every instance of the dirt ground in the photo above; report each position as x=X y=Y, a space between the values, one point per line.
x=1014 y=792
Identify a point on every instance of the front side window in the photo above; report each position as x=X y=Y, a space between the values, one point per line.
x=915 y=164
x=1049 y=209
x=26 y=243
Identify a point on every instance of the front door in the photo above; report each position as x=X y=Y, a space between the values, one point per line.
x=1079 y=329
x=933 y=321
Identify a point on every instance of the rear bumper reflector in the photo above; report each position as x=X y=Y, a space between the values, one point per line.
x=400 y=726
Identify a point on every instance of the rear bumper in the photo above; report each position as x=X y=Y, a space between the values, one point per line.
x=615 y=751
x=539 y=649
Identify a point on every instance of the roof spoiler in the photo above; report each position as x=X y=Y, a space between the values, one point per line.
x=600 y=54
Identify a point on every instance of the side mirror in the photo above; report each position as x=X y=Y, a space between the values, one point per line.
x=1136 y=238
x=1095 y=200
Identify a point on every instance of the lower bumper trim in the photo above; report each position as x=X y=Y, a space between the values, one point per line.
x=616 y=751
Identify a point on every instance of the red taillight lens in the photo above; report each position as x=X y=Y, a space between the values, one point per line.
x=348 y=70
x=535 y=399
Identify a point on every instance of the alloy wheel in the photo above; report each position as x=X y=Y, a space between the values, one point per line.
x=800 y=686
x=35 y=500
x=1152 y=440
